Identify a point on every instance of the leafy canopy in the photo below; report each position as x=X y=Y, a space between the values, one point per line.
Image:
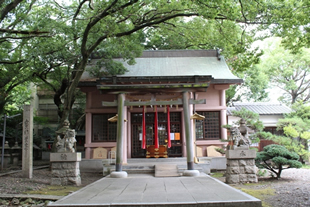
x=287 y=71
x=61 y=38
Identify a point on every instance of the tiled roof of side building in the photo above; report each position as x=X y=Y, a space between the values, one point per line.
x=262 y=108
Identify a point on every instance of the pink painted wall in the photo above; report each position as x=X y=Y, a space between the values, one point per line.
x=215 y=101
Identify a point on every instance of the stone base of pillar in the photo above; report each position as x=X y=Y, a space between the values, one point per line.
x=191 y=173
x=65 y=168
x=119 y=174
x=241 y=166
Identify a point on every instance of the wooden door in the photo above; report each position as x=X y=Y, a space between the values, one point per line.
x=136 y=133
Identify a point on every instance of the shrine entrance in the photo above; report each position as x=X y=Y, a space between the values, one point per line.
x=175 y=134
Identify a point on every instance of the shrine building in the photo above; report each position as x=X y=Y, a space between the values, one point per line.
x=169 y=104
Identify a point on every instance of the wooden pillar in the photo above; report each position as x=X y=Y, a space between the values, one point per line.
x=222 y=89
x=188 y=133
x=223 y=114
x=120 y=127
x=88 y=135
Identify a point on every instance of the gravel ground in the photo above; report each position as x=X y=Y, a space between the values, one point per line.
x=292 y=190
x=16 y=184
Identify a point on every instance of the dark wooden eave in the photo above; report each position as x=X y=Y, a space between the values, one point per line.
x=155 y=79
x=153 y=88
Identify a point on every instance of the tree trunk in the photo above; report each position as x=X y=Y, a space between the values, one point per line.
x=69 y=92
x=279 y=172
x=68 y=95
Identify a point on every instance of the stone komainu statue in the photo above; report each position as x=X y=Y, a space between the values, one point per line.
x=66 y=144
x=239 y=139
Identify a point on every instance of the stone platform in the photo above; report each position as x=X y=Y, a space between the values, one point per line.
x=149 y=191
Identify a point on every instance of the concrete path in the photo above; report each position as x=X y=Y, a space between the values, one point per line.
x=147 y=190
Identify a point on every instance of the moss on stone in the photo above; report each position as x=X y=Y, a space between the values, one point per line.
x=55 y=190
x=261 y=194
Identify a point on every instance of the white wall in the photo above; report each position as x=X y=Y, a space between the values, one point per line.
x=268 y=120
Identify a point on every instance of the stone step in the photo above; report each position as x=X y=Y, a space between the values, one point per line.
x=166 y=170
x=143 y=165
x=156 y=160
x=136 y=169
x=149 y=168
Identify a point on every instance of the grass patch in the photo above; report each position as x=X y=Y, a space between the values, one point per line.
x=261 y=194
x=304 y=166
x=217 y=174
x=54 y=190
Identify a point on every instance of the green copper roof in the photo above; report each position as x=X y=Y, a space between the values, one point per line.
x=181 y=63
x=173 y=65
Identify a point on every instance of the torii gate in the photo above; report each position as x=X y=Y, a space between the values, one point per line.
x=121 y=90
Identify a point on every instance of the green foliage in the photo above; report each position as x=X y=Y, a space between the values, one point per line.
x=227 y=126
x=40 y=120
x=296 y=134
x=264 y=135
x=254 y=88
x=276 y=158
x=301 y=110
x=59 y=38
x=294 y=26
x=251 y=119
x=261 y=172
x=306 y=166
x=289 y=72
x=17 y=30
x=220 y=150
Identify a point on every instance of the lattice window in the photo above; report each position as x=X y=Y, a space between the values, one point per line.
x=209 y=128
x=175 y=117
x=102 y=129
x=149 y=118
x=162 y=117
x=162 y=133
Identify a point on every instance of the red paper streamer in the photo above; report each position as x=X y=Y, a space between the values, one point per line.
x=143 y=129
x=156 y=129
x=168 y=126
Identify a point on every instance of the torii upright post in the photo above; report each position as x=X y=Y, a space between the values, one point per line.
x=189 y=139
x=118 y=173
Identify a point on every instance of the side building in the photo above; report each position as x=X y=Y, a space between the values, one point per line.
x=269 y=114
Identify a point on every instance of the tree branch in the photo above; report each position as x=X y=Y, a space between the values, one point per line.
x=241 y=5
x=9 y=8
x=92 y=23
x=11 y=62
x=79 y=9
x=13 y=24
x=24 y=32
x=144 y=25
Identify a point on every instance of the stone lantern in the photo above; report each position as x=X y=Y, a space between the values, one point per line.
x=15 y=152
x=6 y=155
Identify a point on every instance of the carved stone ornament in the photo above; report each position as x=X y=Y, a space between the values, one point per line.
x=65 y=138
x=240 y=136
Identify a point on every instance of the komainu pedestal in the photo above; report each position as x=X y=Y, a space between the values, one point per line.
x=241 y=166
x=65 y=168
